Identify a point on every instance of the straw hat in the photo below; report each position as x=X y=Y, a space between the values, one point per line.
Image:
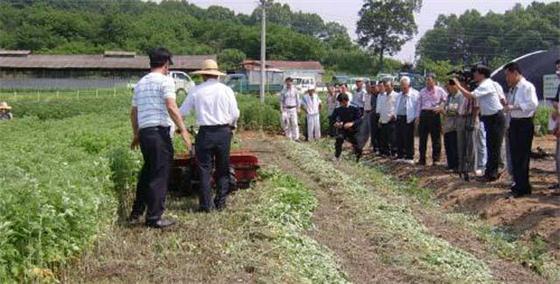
x=209 y=67
x=4 y=105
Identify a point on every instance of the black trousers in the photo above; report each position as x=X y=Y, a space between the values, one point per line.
x=430 y=125
x=349 y=136
x=387 y=139
x=451 y=149
x=495 y=131
x=521 y=132
x=404 y=133
x=375 y=131
x=157 y=150
x=212 y=148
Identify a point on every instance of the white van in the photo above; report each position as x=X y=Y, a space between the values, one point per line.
x=183 y=82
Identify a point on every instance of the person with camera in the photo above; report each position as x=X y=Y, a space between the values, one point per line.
x=487 y=94
x=431 y=102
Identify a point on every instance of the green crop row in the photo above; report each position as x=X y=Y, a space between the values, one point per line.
x=56 y=189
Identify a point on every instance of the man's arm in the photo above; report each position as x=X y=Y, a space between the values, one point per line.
x=233 y=108
x=134 y=123
x=464 y=91
x=175 y=115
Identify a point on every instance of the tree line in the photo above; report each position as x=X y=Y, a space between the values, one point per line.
x=92 y=26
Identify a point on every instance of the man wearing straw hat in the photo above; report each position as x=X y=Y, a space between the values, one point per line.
x=216 y=113
x=5 y=113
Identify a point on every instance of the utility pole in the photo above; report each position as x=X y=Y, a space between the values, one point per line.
x=263 y=50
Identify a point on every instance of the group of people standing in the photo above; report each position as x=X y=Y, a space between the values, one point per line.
x=485 y=130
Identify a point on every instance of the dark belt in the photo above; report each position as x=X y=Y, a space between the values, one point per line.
x=290 y=107
x=156 y=128
x=401 y=116
x=214 y=126
x=491 y=115
x=521 y=119
x=428 y=111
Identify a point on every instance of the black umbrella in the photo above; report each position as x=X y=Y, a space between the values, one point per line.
x=533 y=66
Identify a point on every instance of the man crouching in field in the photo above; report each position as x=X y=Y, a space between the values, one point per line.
x=153 y=108
x=346 y=119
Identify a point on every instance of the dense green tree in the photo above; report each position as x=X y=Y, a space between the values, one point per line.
x=492 y=38
x=385 y=26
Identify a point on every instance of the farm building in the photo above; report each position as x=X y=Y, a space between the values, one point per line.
x=20 y=69
x=289 y=68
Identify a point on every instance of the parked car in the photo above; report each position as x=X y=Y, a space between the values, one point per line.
x=183 y=82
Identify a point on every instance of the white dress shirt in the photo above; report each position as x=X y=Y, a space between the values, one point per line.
x=311 y=104
x=488 y=94
x=412 y=104
x=524 y=99
x=213 y=103
x=386 y=106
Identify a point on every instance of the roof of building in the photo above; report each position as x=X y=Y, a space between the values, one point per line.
x=284 y=65
x=110 y=60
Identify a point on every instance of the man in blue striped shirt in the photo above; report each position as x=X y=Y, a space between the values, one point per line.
x=153 y=109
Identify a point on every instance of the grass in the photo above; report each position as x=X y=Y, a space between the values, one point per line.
x=403 y=240
x=533 y=254
x=260 y=239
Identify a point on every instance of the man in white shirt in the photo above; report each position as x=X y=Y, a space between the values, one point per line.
x=153 y=109
x=406 y=109
x=491 y=110
x=386 y=109
x=216 y=112
x=290 y=107
x=312 y=108
x=521 y=106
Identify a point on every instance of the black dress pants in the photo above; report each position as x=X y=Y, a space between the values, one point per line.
x=157 y=150
x=495 y=131
x=349 y=136
x=404 y=133
x=521 y=132
x=387 y=142
x=451 y=149
x=212 y=148
x=375 y=131
x=430 y=125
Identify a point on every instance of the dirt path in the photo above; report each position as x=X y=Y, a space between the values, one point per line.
x=438 y=224
x=357 y=249
x=333 y=224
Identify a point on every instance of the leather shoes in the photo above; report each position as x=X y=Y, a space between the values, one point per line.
x=134 y=220
x=160 y=224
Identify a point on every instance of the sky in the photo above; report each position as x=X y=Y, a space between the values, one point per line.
x=346 y=12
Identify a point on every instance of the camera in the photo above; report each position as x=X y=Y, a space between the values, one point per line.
x=465 y=76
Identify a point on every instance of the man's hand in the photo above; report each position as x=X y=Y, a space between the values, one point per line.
x=348 y=125
x=186 y=139
x=338 y=125
x=135 y=142
x=457 y=83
